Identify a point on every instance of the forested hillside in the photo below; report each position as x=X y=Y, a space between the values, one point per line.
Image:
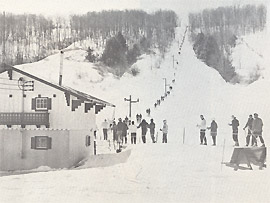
x=29 y=37
x=214 y=32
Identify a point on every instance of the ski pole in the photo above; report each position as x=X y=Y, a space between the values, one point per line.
x=223 y=153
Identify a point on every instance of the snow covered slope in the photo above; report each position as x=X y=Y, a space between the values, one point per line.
x=250 y=56
x=173 y=172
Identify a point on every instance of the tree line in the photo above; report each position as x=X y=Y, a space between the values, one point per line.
x=240 y=19
x=214 y=33
x=29 y=37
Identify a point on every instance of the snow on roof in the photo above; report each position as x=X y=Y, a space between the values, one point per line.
x=76 y=93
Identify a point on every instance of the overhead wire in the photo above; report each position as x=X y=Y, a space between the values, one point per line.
x=8 y=84
x=9 y=89
x=7 y=79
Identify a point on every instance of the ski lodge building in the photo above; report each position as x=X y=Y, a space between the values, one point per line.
x=42 y=123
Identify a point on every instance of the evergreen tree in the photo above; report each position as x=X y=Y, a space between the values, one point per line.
x=90 y=56
x=144 y=44
x=132 y=54
x=122 y=41
x=114 y=55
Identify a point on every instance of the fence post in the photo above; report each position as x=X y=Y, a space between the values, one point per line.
x=222 y=160
x=95 y=148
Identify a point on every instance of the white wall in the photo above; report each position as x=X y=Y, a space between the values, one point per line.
x=61 y=116
x=68 y=148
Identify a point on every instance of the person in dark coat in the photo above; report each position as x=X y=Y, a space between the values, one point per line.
x=152 y=130
x=249 y=135
x=124 y=132
x=235 y=124
x=257 y=129
x=120 y=128
x=114 y=131
x=143 y=125
x=213 y=131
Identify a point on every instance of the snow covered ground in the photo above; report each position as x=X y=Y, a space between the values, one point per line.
x=173 y=172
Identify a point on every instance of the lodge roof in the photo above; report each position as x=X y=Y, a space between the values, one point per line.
x=73 y=92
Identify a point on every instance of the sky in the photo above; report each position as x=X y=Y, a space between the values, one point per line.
x=66 y=7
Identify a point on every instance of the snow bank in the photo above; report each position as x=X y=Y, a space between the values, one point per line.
x=105 y=160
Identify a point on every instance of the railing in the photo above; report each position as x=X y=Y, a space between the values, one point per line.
x=24 y=119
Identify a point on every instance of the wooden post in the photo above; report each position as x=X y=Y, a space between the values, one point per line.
x=4 y=39
x=223 y=153
x=130 y=102
x=95 y=148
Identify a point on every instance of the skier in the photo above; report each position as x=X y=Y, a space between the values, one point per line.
x=235 y=124
x=257 y=129
x=202 y=127
x=164 y=131
x=133 y=131
x=148 y=112
x=126 y=120
x=249 y=126
x=124 y=132
x=140 y=117
x=137 y=118
x=143 y=125
x=213 y=131
x=152 y=130
x=105 y=126
x=114 y=131
x=120 y=127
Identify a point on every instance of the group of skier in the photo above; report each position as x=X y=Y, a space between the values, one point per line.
x=254 y=126
x=213 y=130
x=126 y=127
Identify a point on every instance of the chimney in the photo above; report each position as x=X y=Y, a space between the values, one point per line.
x=61 y=67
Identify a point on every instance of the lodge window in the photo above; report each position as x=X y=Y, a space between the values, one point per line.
x=41 y=142
x=41 y=103
x=87 y=141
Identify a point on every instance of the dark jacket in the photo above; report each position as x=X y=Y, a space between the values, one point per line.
x=257 y=125
x=213 y=126
x=249 y=123
x=120 y=126
x=144 y=126
x=125 y=128
x=235 y=124
x=152 y=128
x=114 y=129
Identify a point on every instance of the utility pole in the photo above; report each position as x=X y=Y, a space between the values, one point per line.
x=174 y=61
x=4 y=39
x=130 y=102
x=25 y=86
x=61 y=67
x=165 y=86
